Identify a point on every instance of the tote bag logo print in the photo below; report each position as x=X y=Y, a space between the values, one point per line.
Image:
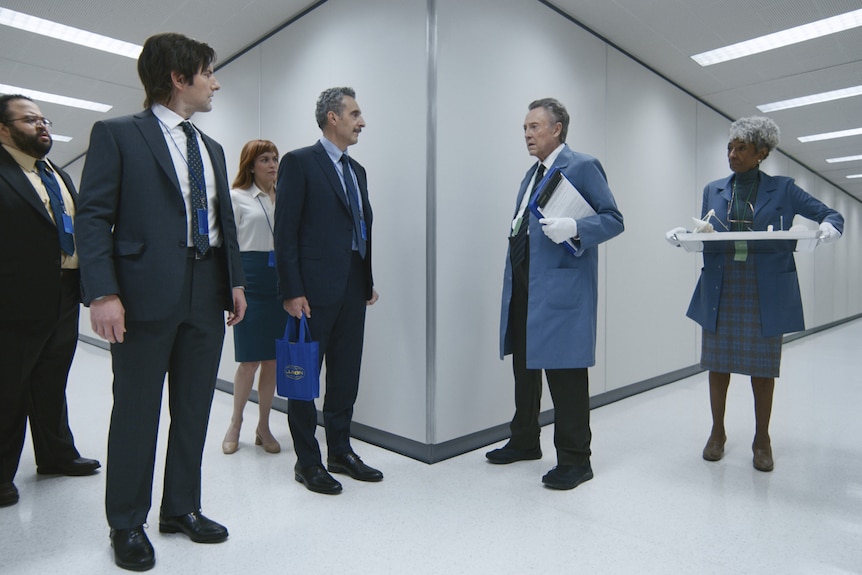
x=294 y=372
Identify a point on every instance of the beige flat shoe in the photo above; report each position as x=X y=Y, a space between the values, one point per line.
x=270 y=446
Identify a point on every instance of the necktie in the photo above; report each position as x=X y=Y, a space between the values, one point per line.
x=67 y=242
x=352 y=200
x=200 y=220
x=518 y=248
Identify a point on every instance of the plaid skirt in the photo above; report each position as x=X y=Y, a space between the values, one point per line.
x=738 y=346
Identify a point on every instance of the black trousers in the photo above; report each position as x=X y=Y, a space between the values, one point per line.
x=340 y=333
x=35 y=357
x=187 y=347
x=570 y=389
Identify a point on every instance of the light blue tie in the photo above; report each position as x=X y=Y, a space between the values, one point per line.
x=352 y=199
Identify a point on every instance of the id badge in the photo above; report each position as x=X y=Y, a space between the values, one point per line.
x=203 y=222
x=271 y=259
x=741 y=251
x=68 y=226
x=362 y=230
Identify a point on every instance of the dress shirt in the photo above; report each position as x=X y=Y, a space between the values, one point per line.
x=254 y=213
x=525 y=201
x=28 y=166
x=175 y=137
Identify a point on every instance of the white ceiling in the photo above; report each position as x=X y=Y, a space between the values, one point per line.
x=662 y=34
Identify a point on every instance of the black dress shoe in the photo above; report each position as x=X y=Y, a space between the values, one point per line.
x=199 y=528
x=8 y=494
x=75 y=468
x=507 y=454
x=315 y=478
x=568 y=476
x=132 y=549
x=352 y=465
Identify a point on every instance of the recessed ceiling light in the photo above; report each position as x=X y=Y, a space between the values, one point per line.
x=782 y=38
x=59 y=138
x=68 y=34
x=844 y=159
x=831 y=135
x=812 y=99
x=55 y=98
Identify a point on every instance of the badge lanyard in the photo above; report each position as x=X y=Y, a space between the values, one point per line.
x=271 y=259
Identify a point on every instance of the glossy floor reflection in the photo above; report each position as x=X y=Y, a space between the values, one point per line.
x=654 y=506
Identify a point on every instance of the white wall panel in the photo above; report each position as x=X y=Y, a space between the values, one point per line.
x=495 y=57
x=652 y=130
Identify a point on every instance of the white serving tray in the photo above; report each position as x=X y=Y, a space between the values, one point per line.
x=806 y=240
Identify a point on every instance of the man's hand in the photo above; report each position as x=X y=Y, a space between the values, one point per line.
x=239 y=307
x=297 y=306
x=108 y=318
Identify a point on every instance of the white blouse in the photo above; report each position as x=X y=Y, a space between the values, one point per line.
x=254 y=213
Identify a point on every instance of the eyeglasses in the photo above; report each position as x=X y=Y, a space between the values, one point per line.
x=32 y=120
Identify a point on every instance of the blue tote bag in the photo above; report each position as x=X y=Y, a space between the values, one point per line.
x=297 y=362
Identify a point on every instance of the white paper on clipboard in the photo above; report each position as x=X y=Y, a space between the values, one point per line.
x=557 y=197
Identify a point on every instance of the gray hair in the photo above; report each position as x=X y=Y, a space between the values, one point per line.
x=330 y=100
x=557 y=112
x=761 y=131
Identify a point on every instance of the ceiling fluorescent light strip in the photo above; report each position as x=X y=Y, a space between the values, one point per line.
x=854 y=176
x=780 y=39
x=68 y=34
x=59 y=138
x=55 y=98
x=831 y=135
x=844 y=159
x=812 y=99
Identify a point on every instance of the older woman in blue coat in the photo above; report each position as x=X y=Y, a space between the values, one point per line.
x=748 y=293
x=548 y=319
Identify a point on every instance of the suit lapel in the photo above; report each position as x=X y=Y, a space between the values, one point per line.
x=331 y=175
x=764 y=192
x=19 y=184
x=152 y=133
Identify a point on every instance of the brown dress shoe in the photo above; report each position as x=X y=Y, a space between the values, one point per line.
x=714 y=449
x=763 y=458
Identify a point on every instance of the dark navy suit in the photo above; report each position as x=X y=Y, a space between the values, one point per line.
x=315 y=259
x=132 y=235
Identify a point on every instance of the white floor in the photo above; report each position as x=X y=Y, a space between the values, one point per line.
x=654 y=506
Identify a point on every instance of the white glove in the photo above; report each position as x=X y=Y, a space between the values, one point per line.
x=559 y=230
x=671 y=236
x=828 y=233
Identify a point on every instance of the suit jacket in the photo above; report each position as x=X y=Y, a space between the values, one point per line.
x=314 y=227
x=29 y=246
x=778 y=200
x=132 y=225
x=563 y=288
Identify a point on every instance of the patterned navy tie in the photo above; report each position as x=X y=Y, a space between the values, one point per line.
x=199 y=190
x=67 y=242
x=518 y=247
x=352 y=200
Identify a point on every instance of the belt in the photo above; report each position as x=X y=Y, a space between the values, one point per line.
x=69 y=273
x=193 y=253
